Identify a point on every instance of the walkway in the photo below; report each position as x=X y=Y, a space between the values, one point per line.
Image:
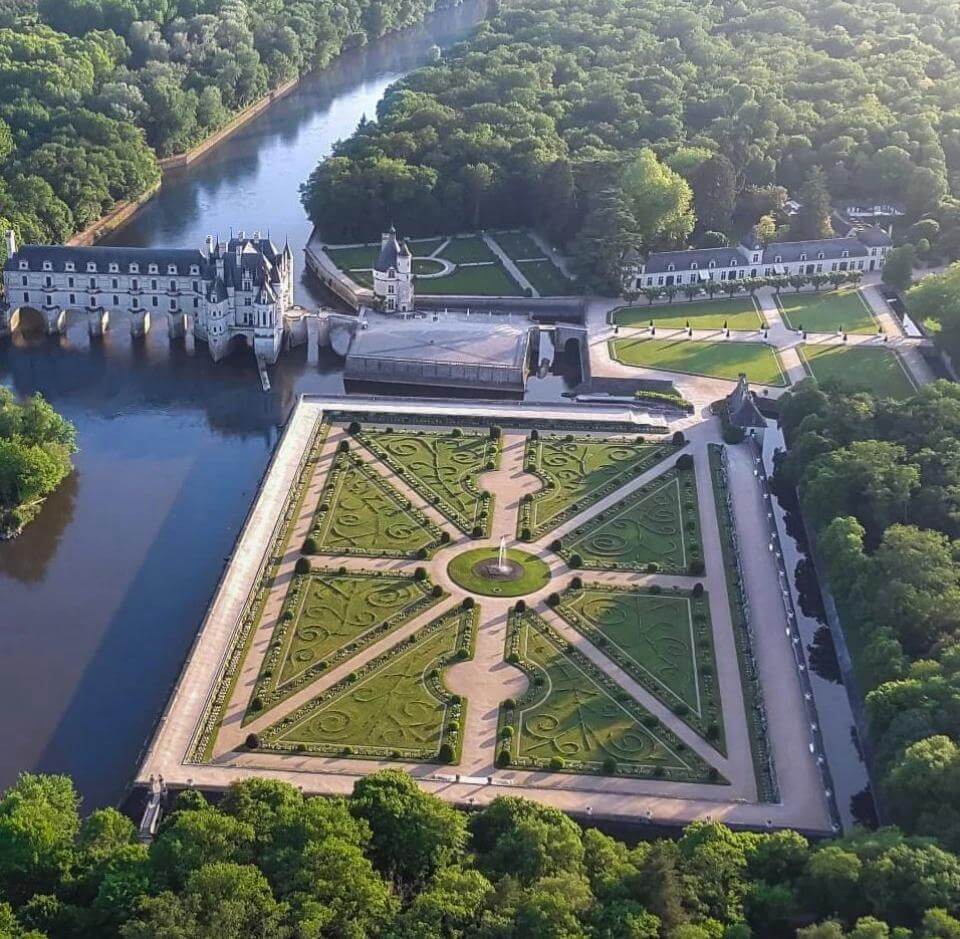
x=512 y=268
x=486 y=679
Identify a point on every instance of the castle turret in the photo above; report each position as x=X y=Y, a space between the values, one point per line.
x=393 y=275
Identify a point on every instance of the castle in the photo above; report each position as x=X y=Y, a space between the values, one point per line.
x=393 y=275
x=239 y=288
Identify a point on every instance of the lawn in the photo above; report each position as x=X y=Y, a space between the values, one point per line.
x=657 y=527
x=348 y=258
x=518 y=245
x=575 y=718
x=664 y=641
x=421 y=249
x=739 y=313
x=485 y=280
x=578 y=471
x=868 y=368
x=328 y=617
x=360 y=513
x=395 y=706
x=547 y=278
x=467 y=250
x=444 y=468
x=721 y=359
x=533 y=573
x=426 y=266
x=828 y=311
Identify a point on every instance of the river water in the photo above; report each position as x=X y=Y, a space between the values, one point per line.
x=100 y=597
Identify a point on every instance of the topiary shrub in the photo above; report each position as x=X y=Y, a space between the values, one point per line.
x=610 y=766
x=476 y=532
x=503 y=759
x=253 y=741
x=422 y=554
x=697 y=590
x=534 y=434
x=509 y=704
x=685 y=461
x=652 y=567
x=453 y=726
x=256 y=703
x=445 y=753
x=309 y=545
x=302 y=566
x=678 y=438
x=456 y=432
x=506 y=733
x=520 y=606
x=513 y=658
x=353 y=427
x=553 y=599
x=556 y=545
x=444 y=537
x=420 y=573
x=732 y=434
x=468 y=603
x=655 y=588
x=525 y=534
x=696 y=567
x=437 y=591
x=575 y=561
x=495 y=432
x=556 y=764
x=576 y=583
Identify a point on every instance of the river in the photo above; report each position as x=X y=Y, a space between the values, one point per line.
x=100 y=598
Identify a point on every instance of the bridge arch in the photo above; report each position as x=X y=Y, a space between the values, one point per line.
x=28 y=321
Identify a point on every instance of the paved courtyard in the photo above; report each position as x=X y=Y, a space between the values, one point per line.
x=601 y=720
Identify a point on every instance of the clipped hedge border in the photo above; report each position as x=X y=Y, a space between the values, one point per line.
x=760 y=750
x=325 y=507
x=271 y=697
x=485 y=500
x=531 y=464
x=456 y=707
x=689 y=513
x=509 y=716
x=704 y=655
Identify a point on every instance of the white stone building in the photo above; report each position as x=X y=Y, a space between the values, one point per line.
x=238 y=288
x=863 y=249
x=393 y=275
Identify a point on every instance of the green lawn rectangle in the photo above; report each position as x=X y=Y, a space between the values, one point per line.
x=875 y=369
x=741 y=313
x=518 y=245
x=827 y=311
x=486 y=280
x=721 y=359
x=421 y=249
x=546 y=278
x=467 y=250
x=347 y=259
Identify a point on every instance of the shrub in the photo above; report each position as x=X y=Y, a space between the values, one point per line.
x=437 y=591
x=520 y=606
x=652 y=567
x=445 y=753
x=422 y=554
x=680 y=709
x=302 y=566
x=352 y=676
x=287 y=615
x=463 y=653
x=253 y=741
x=489 y=465
x=309 y=545
x=698 y=589
x=576 y=583
x=609 y=765
x=713 y=730
x=556 y=545
x=476 y=532
x=553 y=599
x=678 y=438
x=534 y=434
x=696 y=567
x=444 y=537
x=527 y=498
x=576 y=561
x=256 y=703
x=453 y=726
x=506 y=733
x=343 y=446
x=301 y=748
x=494 y=432
x=732 y=434
x=525 y=534
x=354 y=427
x=503 y=758
x=509 y=704
x=347 y=751
x=685 y=461
x=420 y=573
x=513 y=658
x=468 y=603
x=556 y=764
x=456 y=432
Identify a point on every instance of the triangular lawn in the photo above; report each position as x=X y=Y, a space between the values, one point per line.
x=393 y=707
x=444 y=468
x=658 y=524
x=577 y=472
x=361 y=513
x=663 y=640
x=575 y=718
x=328 y=617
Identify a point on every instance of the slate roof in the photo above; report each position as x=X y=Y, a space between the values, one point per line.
x=831 y=248
x=742 y=410
x=660 y=261
x=104 y=256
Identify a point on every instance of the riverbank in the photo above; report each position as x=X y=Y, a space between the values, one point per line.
x=119 y=215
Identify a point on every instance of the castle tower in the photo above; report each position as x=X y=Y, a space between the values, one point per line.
x=393 y=275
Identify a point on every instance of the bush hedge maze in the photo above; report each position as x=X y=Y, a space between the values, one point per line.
x=578 y=471
x=662 y=640
x=444 y=468
x=655 y=528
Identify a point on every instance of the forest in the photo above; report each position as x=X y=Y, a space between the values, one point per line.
x=614 y=126
x=391 y=861
x=879 y=484
x=92 y=92
x=36 y=445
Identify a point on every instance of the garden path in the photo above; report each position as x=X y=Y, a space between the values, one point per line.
x=512 y=268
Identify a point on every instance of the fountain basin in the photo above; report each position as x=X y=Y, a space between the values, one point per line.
x=479 y=571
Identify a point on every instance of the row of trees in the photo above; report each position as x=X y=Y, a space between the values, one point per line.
x=36 y=445
x=749 y=285
x=879 y=483
x=92 y=91
x=393 y=862
x=613 y=128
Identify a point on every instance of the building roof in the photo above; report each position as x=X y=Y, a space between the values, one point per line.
x=742 y=410
x=457 y=342
x=389 y=252
x=660 y=261
x=874 y=236
x=830 y=248
x=103 y=256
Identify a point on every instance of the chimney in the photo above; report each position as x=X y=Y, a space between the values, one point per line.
x=209 y=246
x=11 y=242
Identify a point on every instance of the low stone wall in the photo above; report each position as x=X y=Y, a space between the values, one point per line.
x=566 y=309
x=120 y=213
x=322 y=267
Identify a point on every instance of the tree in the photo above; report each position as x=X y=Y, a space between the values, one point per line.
x=714 y=185
x=766 y=229
x=898 y=266
x=813 y=217
x=660 y=200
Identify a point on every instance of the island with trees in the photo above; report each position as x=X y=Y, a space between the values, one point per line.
x=36 y=445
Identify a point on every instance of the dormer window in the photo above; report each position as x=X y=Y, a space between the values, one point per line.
x=777 y=259
x=846 y=254
x=114 y=268
x=194 y=269
x=733 y=263
x=819 y=255
x=134 y=268
x=670 y=267
x=713 y=264
x=70 y=266
x=153 y=269
x=91 y=267
x=392 y=274
x=171 y=268
x=24 y=266
x=803 y=257
x=694 y=266
x=47 y=266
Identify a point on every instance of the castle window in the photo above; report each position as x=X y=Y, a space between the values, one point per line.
x=93 y=283
x=114 y=268
x=134 y=284
x=196 y=303
x=194 y=269
x=69 y=281
x=733 y=263
x=713 y=264
x=846 y=254
x=91 y=267
x=155 y=301
x=24 y=281
x=70 y=266
x=173 y=304
x=48 y=281
x=134 y=268
x=694 y=266
x=116 y=300
x=47 y=266
x=73 y=298
x=803 y=257
x=670 y=267
x=392 y=274
x=136 y=303
x=114 y=282
x=819 y=255
x=153 y=269
x=153 y=285
x=49 y=300
x=24 y=266
x=777 y=259
x=26 y=296
x=173 y=286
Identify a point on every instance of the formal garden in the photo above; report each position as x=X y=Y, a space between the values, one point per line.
x=575 y=718
x=725 y=359
x=395 y=706
x=576 y=472
x=662 y=638
x=876 y=369
x=655 y=528
x=741 y=313
x=829 y=311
